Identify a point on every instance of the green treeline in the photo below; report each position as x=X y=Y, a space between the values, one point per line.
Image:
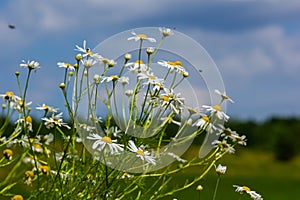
x=278 y=135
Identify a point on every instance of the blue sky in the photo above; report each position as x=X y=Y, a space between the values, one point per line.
x=255 y=44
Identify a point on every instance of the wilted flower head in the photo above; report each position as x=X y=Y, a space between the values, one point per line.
x=166 y=31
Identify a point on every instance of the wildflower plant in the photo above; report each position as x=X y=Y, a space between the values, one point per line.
x=131 y=117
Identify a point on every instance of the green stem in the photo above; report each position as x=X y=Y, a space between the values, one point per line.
x=216 y=188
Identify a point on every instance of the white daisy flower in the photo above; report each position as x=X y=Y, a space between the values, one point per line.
x=30 y=64
x=150 y=78
x=140 y=153
x=19 y=105
x=205 y=123
x=170 y=119
x=102 y=142
x=217 y=111
x=220 y=169
x=55 y=120
x=223 y=145
x=47 y=108
x=169 y=98
x=87 y=52
x=223 y=96
x=137 y=66
x=244 y=189
x=10 y=96
x=110 y=78
x=88 y=63
x=124 y=80
x=27 y=120
x=66 y=65
x=137 y=37
x=174 y=66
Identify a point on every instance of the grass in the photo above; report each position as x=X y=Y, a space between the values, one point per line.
x=258 y=170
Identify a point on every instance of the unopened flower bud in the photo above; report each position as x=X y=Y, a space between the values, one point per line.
x=199 y=188
x=111 y=63
x=150 y=50
x=78 y=57
x=62 y=85
x=17 y=73
x=127 y=56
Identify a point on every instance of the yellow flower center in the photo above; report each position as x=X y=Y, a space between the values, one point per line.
x=45 y=107
x=28 y=119
x=114 y=77
x=246 y=188
x=45 y=169
x=217 y=107
x=107 y=139
x=8 y=153
x=37 y=146
x=140 y=152
x=17 y=197
x=139 y=62
x=142 y=36
x=165 y=98
x=10 y=94
x=205 y=118
x=152 y=77
x=176 y=63
x=29 y=174
x=67 y=64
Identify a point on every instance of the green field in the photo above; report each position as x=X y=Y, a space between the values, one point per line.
x=274 y=180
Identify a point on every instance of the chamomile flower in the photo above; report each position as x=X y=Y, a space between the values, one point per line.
x=244 y=189
x=26 y=121
x=166 y=31
x=150 y=78
x=105 y=141
x=234 y=136
x=110 y=78
x=169 y=119
x=55 y=120
x=175 y=101
x=10 y=96
x=137 y=66
x=220 y=169
x=205 y=123
x=87 y=52
x=216 y=110
x=66 y=65
x=174 y=66
x=223 y=96
x=8 y=153
x=140 y=37
x=47 y=108
x=46 y=139
x=88 y=63
x=31 y=65
x=124 y=80
x=18 y=106
x=140 y=153
x=223 y=145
